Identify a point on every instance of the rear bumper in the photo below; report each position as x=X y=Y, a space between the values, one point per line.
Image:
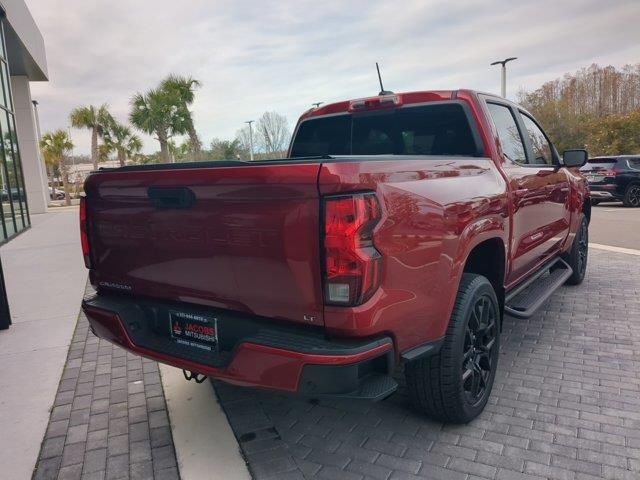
x=605 y=192
x=252 y=352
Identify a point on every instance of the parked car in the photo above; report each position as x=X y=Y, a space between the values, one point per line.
x=400 y=228
x=614 y=179
x=14 y=196
x=57 y=194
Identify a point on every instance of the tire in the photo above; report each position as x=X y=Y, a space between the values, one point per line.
x=579 y=254
x=632 y=196
x=442 y=385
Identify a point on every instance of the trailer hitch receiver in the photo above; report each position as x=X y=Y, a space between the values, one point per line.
x=196 y=377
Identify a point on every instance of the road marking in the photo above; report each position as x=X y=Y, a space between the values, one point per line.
x=205 y=445
x=629 y=251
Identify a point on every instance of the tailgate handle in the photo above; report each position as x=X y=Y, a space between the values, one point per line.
x=163 y=197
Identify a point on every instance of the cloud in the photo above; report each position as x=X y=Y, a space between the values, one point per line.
x=282 y=56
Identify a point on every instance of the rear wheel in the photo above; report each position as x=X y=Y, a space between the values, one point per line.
x=578 y=255
x=454 y=385
x=632 y=196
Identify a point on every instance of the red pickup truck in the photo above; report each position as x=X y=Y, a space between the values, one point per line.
x=400 y=229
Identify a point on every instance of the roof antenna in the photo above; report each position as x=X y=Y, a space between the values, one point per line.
x=382 y=90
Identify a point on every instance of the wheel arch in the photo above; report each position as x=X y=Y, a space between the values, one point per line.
x=488 y=258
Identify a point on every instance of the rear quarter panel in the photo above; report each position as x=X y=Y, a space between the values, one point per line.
x=435 y=211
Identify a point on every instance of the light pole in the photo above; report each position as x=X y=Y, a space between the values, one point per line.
x=250 y=139
x=39 y=137
x=503 y=89
x=35 y=110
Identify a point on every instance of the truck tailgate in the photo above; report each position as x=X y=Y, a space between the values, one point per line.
x=243 y=238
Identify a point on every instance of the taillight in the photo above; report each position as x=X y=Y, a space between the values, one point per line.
x=84 y=238
x=353 y=266
x=608 y=173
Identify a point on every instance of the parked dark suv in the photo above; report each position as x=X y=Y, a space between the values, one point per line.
x=614 y=179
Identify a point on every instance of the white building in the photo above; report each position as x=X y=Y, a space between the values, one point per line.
x=23 y=181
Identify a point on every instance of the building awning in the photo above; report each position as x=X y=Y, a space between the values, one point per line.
x=25 y=45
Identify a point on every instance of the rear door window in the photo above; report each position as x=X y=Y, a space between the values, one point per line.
x=508 y=132
x=539 y=144
x=438 y=129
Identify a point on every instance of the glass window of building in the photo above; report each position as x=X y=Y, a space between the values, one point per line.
x=14 y=214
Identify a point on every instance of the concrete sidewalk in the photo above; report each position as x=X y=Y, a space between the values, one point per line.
x=109 y=418
x=45 y=279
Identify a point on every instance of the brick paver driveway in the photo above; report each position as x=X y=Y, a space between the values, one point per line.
x=566 y=405
x=109 y=419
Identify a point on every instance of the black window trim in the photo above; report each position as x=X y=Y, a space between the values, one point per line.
x=473 y=127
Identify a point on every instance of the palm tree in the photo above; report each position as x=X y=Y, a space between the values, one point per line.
x=55 y=145
x=183 y=91
x=104 y=151
x=95 y=119
x=120 y=139
x=156 y=112
x=133 y=147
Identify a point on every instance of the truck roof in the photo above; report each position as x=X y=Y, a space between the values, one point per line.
x=401 y=98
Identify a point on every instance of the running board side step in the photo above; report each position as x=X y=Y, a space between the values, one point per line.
x=525 y=299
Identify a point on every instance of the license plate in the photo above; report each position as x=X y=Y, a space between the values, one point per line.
x=594 y=178
x=193 y=330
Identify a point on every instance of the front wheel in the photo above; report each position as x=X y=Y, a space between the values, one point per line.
x=632 y=196
x=454 y=385
x=578 y=255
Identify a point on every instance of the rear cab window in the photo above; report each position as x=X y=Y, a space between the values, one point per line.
x=436 y=129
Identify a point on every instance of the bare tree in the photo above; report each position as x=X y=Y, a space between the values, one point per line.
x=597 y=91
x=272 y=134
x=581 y=108
x=244 y=141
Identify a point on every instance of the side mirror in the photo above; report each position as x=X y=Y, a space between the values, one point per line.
x=574 y=158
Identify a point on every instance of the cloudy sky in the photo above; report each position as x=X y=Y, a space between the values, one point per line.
x=253 y=56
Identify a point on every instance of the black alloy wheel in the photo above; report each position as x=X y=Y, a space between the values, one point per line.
x=579 y=254
x=454 y=385
x=479 y=342
x=632 y=196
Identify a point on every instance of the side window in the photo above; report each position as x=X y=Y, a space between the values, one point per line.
x=634 y=163
x=541 y=148
x=508 y=132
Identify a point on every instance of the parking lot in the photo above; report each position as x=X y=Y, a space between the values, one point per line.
x=566 y=405
x=613 y=224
